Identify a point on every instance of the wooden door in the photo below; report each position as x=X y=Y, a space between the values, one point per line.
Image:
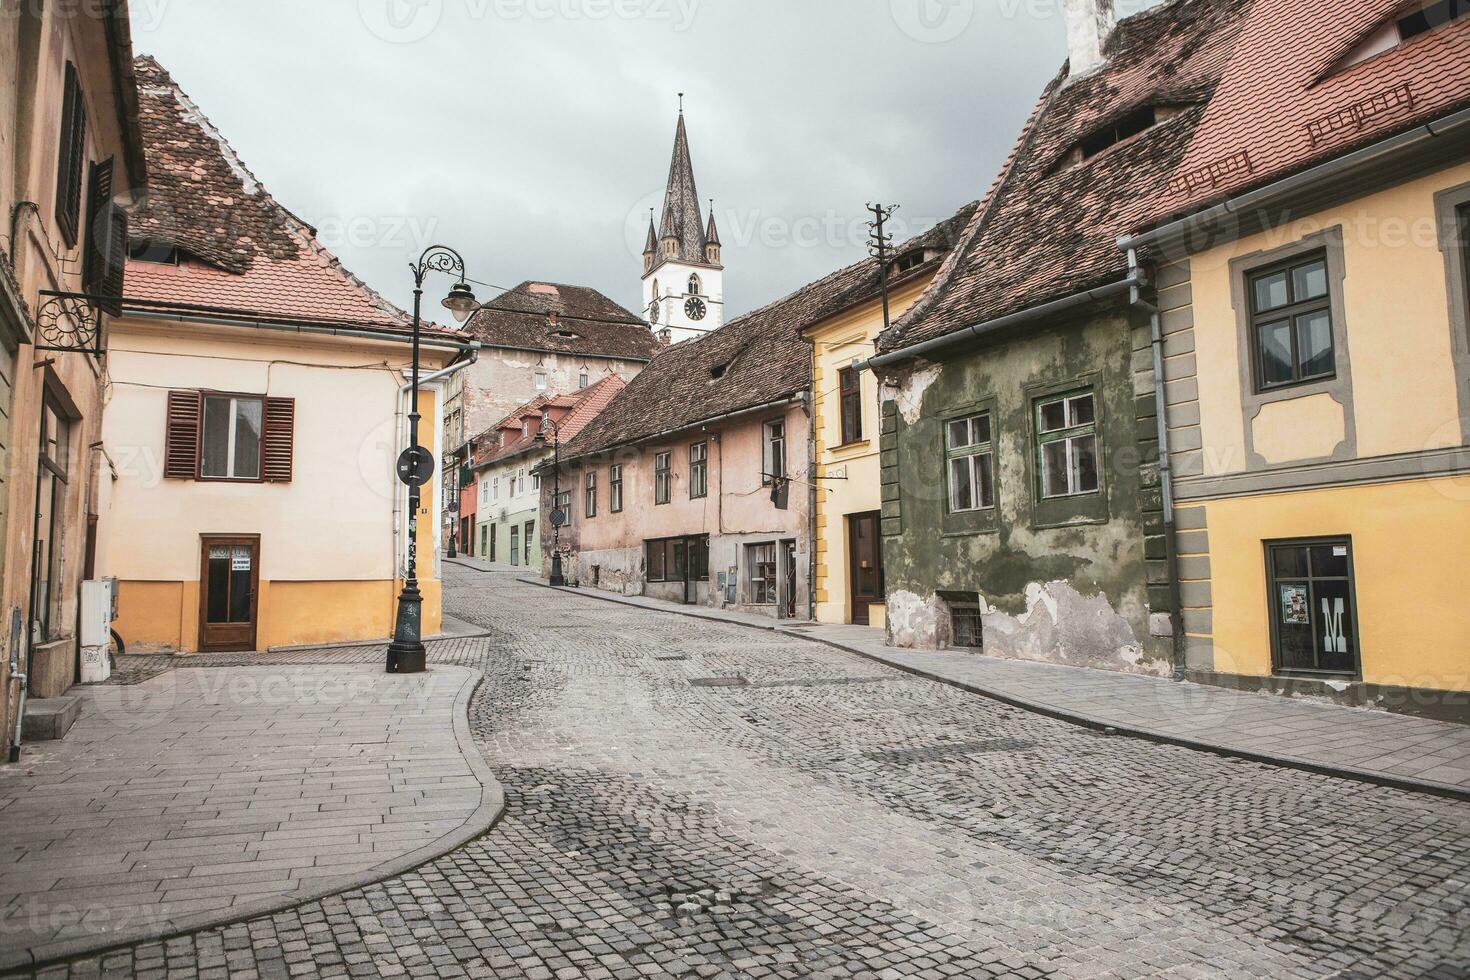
x=865 y=564
x=229 y=586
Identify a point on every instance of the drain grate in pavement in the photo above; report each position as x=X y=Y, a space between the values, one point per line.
x=829 y=681
x=948 y=750
x=719 y=682
x=675 y=656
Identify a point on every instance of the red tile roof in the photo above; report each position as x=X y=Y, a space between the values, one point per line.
x=239 y=248
x=1284 y=106
x=587 y=323
x=756 y=359
x=581 y=408
x=1048 y=227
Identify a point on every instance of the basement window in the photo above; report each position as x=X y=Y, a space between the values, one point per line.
x=965 y=625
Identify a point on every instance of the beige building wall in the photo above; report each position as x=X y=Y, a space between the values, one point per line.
x=503 y=380
x=330 y=546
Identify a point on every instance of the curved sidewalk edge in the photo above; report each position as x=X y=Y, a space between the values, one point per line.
x=480 y=821
x=1111 y=726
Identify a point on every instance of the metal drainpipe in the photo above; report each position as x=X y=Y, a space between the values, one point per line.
x=808 y=405
x=1166 y=476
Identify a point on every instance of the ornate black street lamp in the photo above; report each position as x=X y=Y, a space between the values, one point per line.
x=416 y=464
x=557 y=517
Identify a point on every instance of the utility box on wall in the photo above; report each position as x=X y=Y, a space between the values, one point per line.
x=97 y=614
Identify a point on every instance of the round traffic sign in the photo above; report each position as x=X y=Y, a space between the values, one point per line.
x=558 y=517
x=415 y=466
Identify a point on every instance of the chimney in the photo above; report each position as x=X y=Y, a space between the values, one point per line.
x=1089 y=22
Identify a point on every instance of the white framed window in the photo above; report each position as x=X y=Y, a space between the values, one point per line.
x=495 y=489
x=540 y=381
x=583 y=379
x=520 y=482
x=230 y=442
x=1066 y=427
x=970 y=461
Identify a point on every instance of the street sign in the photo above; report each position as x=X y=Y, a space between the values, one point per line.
x=558 y=517
x=415 y=466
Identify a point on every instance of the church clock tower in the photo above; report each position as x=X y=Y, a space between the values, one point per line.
x=683 y=288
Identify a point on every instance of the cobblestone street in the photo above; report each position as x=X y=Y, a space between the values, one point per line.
x=699 y=800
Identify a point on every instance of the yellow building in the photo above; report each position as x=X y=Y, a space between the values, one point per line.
x=257 y=401
x=1310 y=264
x=848 y=548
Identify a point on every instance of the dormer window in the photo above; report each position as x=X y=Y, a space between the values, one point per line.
x=1410 y=22
x=146 y=250
x=564 y=334
x=718 y=371
x=1130 y=125
x=1435 y=15
x=908 y=261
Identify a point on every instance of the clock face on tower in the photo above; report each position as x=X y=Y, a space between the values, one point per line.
x=694 y=308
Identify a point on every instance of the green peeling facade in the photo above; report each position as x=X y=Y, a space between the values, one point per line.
x=1079 y=580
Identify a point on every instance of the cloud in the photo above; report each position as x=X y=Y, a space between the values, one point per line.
x=525 y=132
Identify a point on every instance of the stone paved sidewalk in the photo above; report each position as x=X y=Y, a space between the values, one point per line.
x=1356 y=743
x=201 y=795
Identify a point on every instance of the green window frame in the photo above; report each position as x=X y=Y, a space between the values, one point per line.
x=969 y=450
x=1066 y=444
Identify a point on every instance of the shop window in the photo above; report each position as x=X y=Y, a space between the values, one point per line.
x=55 y=455
x=615 y=488
x=662 y=478
x=698 y=470
x=760 y=562
x=515 y=545
x=1291 y=323
x=1313 y=616
x=850 y=404
x=970 y=453
x=1066 y=427
x=672 y=559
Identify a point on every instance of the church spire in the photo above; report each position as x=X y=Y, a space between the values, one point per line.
x=712 y=238
x=681 y=232
x=650 y=245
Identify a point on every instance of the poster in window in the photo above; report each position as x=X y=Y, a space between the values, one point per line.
x=1294 y=608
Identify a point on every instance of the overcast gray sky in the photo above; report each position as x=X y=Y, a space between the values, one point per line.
x=533 y=135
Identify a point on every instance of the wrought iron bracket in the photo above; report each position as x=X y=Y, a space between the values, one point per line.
x=69 y=322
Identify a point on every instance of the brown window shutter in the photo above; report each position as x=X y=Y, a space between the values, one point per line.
x=116 y=261
x=181 y=435
x=98 y=226
x=70 y=155
x=280 y=437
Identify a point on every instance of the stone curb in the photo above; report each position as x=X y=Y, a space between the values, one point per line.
x=480 y=822
x=1409 y=784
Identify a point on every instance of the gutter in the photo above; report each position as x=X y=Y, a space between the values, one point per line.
x=981 y=330
x=1166 y=474
x=1263 y=197
x=263 y=323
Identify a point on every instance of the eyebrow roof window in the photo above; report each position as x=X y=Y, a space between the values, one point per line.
x=1118 y=131
x=1428 y=18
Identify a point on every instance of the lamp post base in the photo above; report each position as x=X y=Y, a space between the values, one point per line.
x=556 y=574
x=406 y=654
